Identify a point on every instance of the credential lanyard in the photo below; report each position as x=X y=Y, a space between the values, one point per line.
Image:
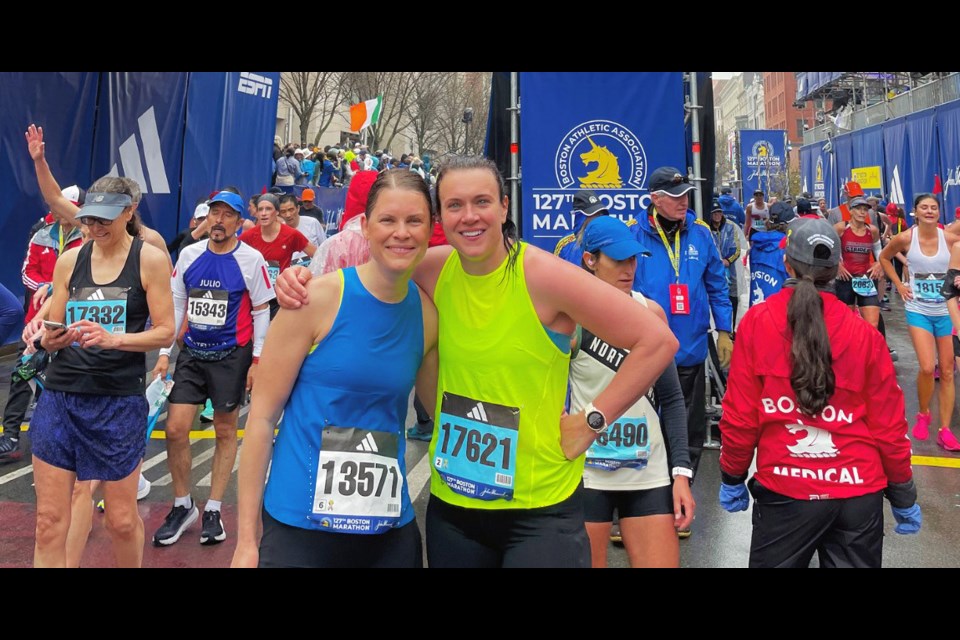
x=674 y=253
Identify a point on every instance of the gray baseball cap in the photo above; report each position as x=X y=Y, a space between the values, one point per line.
x=106 y=206
x=806 y=236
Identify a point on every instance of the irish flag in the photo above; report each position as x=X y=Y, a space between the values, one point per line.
x=365 y=114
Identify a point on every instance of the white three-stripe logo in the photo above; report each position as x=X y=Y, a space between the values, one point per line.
x=477 y=413
x=130 y=156
x=208 y=295
x=896 y=191
x=96 y=295
x=368 y=444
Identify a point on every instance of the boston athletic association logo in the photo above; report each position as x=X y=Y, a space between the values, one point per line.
x=600 y=154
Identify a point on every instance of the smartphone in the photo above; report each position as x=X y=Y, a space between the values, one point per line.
x=52 y=326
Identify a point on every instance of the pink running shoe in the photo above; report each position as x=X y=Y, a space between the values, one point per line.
x=947 y=440
x=921 y=429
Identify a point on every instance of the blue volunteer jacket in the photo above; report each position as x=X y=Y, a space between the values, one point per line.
x=700 y=269
x=732 y=209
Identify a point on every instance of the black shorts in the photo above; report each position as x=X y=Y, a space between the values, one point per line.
x=223 y=381
x=846 y=294
x=845 y=532
x=956 y=347
x=599 y=505
x=553 y=536
x=286 y=546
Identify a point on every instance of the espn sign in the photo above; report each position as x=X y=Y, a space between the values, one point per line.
x=254 y=85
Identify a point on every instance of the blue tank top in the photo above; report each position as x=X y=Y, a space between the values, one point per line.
x=338 y=461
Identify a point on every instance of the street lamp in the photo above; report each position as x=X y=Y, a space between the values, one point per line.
x=467 y=119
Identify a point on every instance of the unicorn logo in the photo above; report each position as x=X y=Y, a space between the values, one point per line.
x=819 y=177
x=817 y=443
x=762 y=152
x=611 y=153
x=606 y=175
x=758 y=296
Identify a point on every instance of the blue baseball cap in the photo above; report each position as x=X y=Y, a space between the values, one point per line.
x=229 y=198
x=610 y=236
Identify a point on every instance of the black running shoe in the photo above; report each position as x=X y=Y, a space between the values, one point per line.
x=176 y=523
x=213 y=531
x=9 y=449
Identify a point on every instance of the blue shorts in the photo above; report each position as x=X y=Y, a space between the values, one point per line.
x=97 y=437
x=939 y=326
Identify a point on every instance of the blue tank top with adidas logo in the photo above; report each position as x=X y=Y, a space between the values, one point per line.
x=338 y=460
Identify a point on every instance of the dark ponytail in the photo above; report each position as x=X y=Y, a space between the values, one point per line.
x=812 y=377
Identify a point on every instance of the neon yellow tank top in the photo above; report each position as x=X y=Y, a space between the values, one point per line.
x=501 y=390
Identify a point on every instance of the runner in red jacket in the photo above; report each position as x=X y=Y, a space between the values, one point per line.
x=813 y=391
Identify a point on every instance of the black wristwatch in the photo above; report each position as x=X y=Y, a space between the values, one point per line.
x=595 y=419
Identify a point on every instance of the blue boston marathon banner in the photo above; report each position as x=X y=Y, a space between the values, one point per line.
x=236 y=112
x=896 y=162
x=763 y=161
x=594 y=131
x=64 y=104
x=843 y=158
x=948 y=131
x=922 y=147
x=140 y=136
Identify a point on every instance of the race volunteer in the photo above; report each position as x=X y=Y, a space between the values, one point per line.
x=813 y=392
x=681 y=270
x=221 y=285
x=276 y=241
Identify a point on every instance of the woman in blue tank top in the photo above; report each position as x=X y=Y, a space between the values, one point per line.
x=341 y=373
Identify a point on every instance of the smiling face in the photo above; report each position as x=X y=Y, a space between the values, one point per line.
x=473 y=212
x=398 y=228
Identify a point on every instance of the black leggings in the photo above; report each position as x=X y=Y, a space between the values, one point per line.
x=553 y=536
x=286 y=546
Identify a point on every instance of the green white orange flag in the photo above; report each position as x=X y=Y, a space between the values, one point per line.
x=365 y=114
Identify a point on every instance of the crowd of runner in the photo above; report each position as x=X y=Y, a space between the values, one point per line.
x=562 y=395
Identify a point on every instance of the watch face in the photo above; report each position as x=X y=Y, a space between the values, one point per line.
x=595 y=420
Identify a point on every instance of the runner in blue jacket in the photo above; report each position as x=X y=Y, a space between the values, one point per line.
x=731 y=208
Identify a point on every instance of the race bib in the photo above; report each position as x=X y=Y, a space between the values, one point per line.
x=476 y=452
x=273 y=271
x=626 y=444
x=359 y=483
x=926 y=286
x=207 y=307
x=107 y=306
x=864 y=286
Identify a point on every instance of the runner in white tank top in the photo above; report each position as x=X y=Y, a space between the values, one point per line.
x=927 y=248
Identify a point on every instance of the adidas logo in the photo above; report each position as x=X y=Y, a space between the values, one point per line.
x=254 y=84
x=130 y=156
x=208 y=295
x=96 y=295
x=477 y=413
x=368 y=444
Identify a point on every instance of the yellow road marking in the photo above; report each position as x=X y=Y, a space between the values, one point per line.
x=194 y=435
x=933 y=461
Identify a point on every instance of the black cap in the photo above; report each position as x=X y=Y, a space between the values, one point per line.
x=670 y=180
x=758 y=192
x=587 y=202
x=803 y=206
x=726 y=190
x=715 y=206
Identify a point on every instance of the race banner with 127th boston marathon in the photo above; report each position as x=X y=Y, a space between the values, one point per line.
x=601 y=131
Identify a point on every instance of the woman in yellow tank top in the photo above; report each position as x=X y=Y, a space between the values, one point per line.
x=507 y=462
